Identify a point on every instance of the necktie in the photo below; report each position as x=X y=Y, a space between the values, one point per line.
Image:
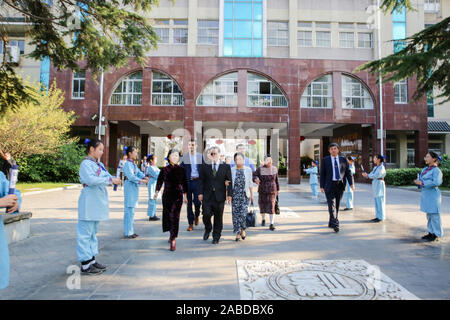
x=214 y=170
x=336 y=170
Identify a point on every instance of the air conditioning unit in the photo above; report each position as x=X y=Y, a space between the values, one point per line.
x=13 y=54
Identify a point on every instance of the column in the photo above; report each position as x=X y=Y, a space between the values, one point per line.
x=274 y=147
x=192 y=28
x=447 y=143
x=293 y=48
x=421 y=143
x=402 y=143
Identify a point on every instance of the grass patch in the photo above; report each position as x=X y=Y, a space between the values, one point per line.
x=25 y=187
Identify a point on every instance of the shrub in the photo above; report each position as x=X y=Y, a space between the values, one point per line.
x=406 y=177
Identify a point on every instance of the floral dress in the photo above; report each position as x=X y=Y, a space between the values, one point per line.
x=239 y=202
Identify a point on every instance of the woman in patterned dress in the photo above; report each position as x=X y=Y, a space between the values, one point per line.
x=241 y=193
x=266 y=177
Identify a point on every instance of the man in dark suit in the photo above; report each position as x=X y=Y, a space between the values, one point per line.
x=334 y=170
x=212 y=192
x=192 y=162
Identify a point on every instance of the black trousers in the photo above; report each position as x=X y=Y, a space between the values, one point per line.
x=192 y=196
x=213 y=208
x=334 y=196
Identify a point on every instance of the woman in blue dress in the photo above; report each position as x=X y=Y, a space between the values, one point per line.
x=11 y=201
x=378 y=187
x=152 y=172
x=133 y=176
x=430 y=202
x=93 y=206
x=313 y=180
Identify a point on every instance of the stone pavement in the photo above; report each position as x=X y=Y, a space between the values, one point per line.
x=144 y=268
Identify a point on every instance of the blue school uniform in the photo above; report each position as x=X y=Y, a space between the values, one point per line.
x=4 y=252
x=348 y=190
x=131 y=193
x=93 y=206
x=430 y=201
x=379 y=191
x=152 y=173
x=313 y=180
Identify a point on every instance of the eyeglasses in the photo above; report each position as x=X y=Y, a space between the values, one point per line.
x=213 y=153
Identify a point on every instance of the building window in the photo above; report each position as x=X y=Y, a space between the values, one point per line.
x=399 y=29
x=14 y=43
x=364 y=40
x=391 y=153
x=304 y=38
x=261 y=92
x=165 y=91
x=432 y=6
x=346 y=25
x=220 y=92
x=171 y=31
x=277 y=33
x=318 y=94
x=180 y=31
x=323 y=25
x=346 y=39
x=401 y=92
x=430 y=104
x=411 y=154
x=323 y=39
x=163 y=34
x=208 y=32
x=128 y=91
x=78 y=84
x=355 y=95
x=435 y=147
x=304 y=24
x=243 y=28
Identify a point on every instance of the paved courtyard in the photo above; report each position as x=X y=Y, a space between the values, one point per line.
x=144 y=268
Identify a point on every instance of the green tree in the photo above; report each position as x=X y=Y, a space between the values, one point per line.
x=100 y=33
x=426 y=56
x=39 y=127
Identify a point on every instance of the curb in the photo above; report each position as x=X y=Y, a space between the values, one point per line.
x=51 y=190
x=444 y=193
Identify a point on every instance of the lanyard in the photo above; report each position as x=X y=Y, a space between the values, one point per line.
x=101 y=167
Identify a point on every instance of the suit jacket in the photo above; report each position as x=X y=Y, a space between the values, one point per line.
x=186 y=163
x=211 y=186
x=326 y=173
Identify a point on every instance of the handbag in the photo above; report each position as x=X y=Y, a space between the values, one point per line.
x=250 y=219
x=277 y=207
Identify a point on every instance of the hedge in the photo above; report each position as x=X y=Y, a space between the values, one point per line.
x=406 y=177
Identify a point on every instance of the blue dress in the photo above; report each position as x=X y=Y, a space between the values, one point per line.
x=313 y=180
x=379 y=190
x=131 y=193
x=4 y=252
x=348 y=190
x=430 y=201
x=152 y=173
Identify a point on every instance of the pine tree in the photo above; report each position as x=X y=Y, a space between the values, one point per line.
x=100 y=33
x=425 y=56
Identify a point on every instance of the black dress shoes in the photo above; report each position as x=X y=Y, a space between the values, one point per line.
x=336 y=229
x=346 y=209
x=215 y=241
x=206 y=236
x=375 y=220
x=155 y=218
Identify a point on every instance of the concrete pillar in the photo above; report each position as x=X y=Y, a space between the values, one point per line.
x=447 y=143
x=421 y=143
x=192 y=28
x=293 y=48
x=274 y=147
x=402 y=153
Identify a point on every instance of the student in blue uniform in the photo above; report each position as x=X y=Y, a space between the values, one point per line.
x=378 y=187
x=11 y=201
x=152 y=173
x=133 y=176
x=93 y=206
x=313 y=180
x=348 y=190
x=430 y=202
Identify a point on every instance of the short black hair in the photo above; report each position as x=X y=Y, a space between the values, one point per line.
x=380 y=157
x=238 y=154
x=94 y=143
x=130 y=149
x=434 y=155
x=334 y=144
x=172 y=151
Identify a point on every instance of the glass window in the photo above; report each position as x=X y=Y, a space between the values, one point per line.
x=277 y=33
x=346 y=39
x=180 y=22
x=243 y=28
x=364 y=40
x=165 y=91
x=411 y=156
x=304 y=24
x=14 y=43
x=363 y=26
x=261 y=92
x=128 y=91
x=163 y=34
x=180 y=35
x=401 y=92
x=323 y=25
x=78 y=84
x=208 y=32
x=318 y=94
x=354 y=94
x=304 y=38
x=220 y=92
x=391 y=153
x=323 y=39
x=346 y=25
x=432 y=6
x=430 y=104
